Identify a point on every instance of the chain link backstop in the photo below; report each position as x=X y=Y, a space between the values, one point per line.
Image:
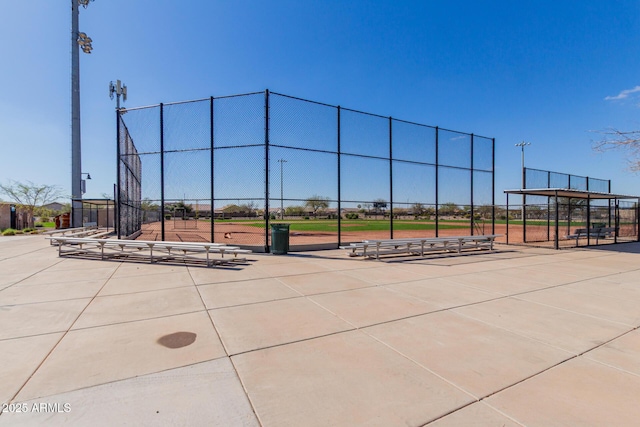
x=223 y=169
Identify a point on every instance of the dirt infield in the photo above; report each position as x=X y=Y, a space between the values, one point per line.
x=246 y=235
x=249 y=236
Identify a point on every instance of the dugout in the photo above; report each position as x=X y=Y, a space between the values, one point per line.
x=98 y=212
x=566 y=217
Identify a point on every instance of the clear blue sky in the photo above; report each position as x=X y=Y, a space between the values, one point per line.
x=541 y=71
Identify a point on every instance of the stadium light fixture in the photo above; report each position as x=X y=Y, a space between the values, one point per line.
x=84 y=42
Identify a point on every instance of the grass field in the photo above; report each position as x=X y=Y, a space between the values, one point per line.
x=324 y=225
x=47 y=224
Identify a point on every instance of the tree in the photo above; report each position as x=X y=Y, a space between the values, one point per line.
x=150 y=210
x=614 y=139
x=232 y=209
x=484 y=211
x=249 y=208
x=294 y=211
x=148 y=205
x=448 y=209
x=397 y=212
x=179 y=205
x=316 y=203
x=417 y=209
x=29 y=196
x=569 y=207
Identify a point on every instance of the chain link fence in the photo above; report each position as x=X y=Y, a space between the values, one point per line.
x=223 y=169
x=550 y=221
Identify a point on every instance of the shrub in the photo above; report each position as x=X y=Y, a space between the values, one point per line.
x=28 y=230
x=306 y=217
x=9 y=232
x=352 y=215
x=272 y=217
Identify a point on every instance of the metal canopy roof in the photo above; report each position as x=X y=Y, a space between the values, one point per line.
x=569 y=192
x=99 y=202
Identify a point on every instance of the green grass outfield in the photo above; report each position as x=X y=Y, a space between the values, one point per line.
x=325 y=225
x=355 y=225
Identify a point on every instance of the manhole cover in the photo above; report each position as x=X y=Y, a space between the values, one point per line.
x=177 y=339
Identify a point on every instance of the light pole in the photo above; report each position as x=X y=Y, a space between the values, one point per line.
x=282 y=162
x=524 y=197
x=522 y=145
x=78 y=40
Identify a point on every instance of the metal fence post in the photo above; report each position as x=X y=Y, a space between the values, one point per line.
x=471 y=206
x=506 y=228
x=117 y=185
x=524 y=206
x=162 y=235
x=548 y=207
x=437 y=188
x=569 y=216
x=493 y=186
x=266 y=170
x=390 y=179
x=556 y=244
x=212 y=166
x=636 y=224
x=339 y=179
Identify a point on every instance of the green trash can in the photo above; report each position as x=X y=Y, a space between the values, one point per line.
x=279 y=239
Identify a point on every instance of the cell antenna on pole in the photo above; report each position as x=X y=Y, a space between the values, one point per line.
x=118 y=89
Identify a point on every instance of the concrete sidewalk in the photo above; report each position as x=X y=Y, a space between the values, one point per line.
x=521 y=336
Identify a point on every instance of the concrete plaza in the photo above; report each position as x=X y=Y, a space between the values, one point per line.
x=520 y=336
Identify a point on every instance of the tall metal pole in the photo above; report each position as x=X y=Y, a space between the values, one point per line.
x=524 y=197
x=212 y=165
x=390 y=178
x=266 y=171
x=556 y=243
x=493 y=186
x=76 y=159
x=162 y=207
x=507 y=221
x=339 y=180
x=471 y=195
x=436 y=218
x=116 y=195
